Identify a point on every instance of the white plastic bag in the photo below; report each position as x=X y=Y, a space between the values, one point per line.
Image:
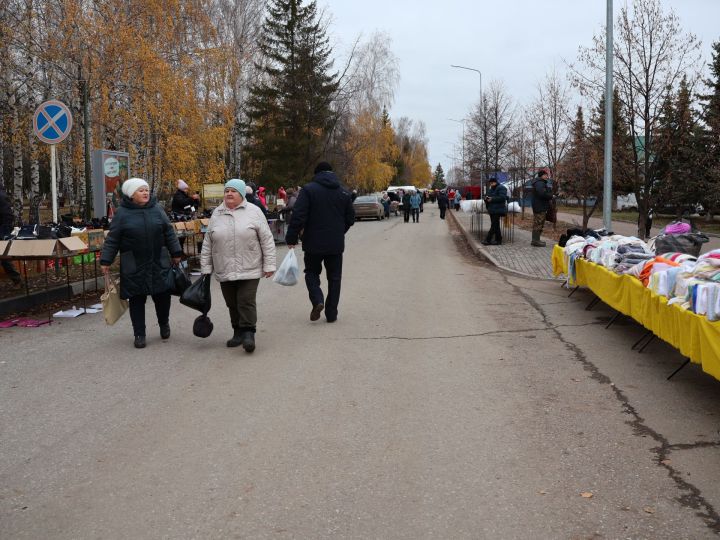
x=514 y=208
x=289 y=271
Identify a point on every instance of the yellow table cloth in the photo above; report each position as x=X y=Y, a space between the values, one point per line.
x=693 y=335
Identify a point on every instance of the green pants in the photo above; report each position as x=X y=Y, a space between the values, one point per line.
x=240 y=299
x=539 y=222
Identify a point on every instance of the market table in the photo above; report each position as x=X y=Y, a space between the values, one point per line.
x=693 y=335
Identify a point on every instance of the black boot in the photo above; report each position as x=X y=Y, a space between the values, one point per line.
x=165 y=331
x=237 y=338
x=139 y=342
x=248 y=341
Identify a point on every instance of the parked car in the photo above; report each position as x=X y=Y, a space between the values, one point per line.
x=368 y=206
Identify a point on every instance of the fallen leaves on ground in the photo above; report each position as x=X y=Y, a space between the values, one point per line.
x=586 y=495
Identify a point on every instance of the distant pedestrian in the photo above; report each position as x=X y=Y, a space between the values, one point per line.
x=415 y=201
x=458 y=198
x=252 y=198
x=443 y=203
x=6 y=227
x=183 y=203
x=239 y=249
x=648 y=223
x=282 y=194
x=261 y=196
x=143 y=235
x=385 y=200
x=286 y=212
x=406 y=206
x=323 y=214
x=541 y=200
x=496 y=199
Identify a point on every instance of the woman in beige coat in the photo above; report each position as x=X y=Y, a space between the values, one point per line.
x=239 y=249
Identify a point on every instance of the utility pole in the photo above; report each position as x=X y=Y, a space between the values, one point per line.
x=607 y=177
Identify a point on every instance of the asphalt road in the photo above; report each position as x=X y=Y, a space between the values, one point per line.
x=448 y=401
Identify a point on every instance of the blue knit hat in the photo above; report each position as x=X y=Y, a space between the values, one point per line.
x=236 y=184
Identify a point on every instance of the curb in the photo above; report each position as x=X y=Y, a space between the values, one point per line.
x=481 y=253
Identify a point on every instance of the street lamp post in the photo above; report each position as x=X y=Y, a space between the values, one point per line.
x=463 y=144
x=482 y=113
x=479 y=74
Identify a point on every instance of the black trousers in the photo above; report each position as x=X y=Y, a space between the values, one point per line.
x=415 y=214
x=495 y=230
x=240 y=299
x=443 y=209
x=333 y=268
x=137 y=310
x=406 y=213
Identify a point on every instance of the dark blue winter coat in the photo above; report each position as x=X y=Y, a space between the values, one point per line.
x=541 y=196
x=323 y=213
x=498 y=198
x=145 y=239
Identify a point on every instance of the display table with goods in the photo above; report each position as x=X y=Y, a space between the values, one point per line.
x=675 y=296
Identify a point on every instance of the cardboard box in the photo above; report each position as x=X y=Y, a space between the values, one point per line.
x=179 y=226
x=84 y=236
x=194 y=225
x=46 y=248
x=4 y=246
x=96 y=239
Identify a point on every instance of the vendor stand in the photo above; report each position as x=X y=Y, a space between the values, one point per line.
x=693 y=335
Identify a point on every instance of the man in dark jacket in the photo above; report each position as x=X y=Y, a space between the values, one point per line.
x=496 y=199
x=541 y=199
x=6 y=226
x=443 y=203
x=406 y=206
x=323 y=213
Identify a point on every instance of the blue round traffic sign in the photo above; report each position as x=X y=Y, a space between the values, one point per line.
x=52 y=121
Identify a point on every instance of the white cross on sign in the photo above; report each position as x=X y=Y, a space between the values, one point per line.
x=52 y=122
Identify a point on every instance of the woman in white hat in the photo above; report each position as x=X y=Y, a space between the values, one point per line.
x=239 y=249
x=143 y=235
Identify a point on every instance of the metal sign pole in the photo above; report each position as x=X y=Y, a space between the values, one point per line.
x=53 y=184
x=607 y=177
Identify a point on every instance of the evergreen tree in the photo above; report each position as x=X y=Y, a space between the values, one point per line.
x=581 y=168
x=708 y=140
x=289 y=108
x=439 y=178
x=622 y=148
x=677 y=152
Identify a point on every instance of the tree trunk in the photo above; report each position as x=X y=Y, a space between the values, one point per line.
x=2 y=155
x=34 y=165
x=17 y=161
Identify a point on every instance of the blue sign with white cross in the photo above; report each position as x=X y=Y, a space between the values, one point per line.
x=52 y=122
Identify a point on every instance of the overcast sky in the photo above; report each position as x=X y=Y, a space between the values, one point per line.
x=516 y=41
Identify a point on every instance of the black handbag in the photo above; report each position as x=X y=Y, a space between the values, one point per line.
x=177 y=281
x=197 y=295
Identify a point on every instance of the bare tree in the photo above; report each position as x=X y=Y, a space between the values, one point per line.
x=651 y=55
x=550 y=113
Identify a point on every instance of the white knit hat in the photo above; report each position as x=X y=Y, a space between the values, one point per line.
x=182 y=185
x=131 y=185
